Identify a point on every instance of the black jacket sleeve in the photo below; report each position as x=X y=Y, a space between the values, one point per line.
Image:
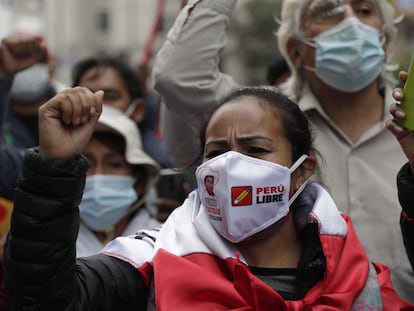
x=41 y=269
x=10 y=157
x=405 y=183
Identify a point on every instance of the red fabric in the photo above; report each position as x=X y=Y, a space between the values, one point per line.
x=204 y=282
x=146 y=272
x=406 y=217
x=390 y=299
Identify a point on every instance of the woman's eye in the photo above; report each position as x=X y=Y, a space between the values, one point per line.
x=257 y=150
x=213 y=153
x=115 y=164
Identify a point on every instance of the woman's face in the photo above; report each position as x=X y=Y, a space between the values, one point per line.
x=209 y=182
x=105 y=160
x=244 y=126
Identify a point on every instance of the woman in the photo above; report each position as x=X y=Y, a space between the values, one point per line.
x=273 y=242
x=117 y=184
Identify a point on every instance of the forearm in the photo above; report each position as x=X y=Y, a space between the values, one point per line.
x=40 y=258
x=107 y=283
x=186 y=71
x=40 y=249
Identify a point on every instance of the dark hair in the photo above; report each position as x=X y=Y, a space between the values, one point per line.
x=295 y=124
x=128 y=75
x=276 y=70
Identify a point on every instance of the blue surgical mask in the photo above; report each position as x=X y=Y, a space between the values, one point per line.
x=106 y=199
x=349 y=56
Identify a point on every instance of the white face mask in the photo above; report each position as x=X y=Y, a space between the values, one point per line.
x=249 y=194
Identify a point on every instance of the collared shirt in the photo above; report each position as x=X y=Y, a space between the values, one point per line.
x=361 y=177
x=88 y=244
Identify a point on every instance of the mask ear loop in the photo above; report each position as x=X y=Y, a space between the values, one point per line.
x=292 y=169
x=298 y=163
x=132 y=107
x=110 y=231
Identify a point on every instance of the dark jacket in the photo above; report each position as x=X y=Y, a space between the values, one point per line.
x=10 y=157
x=41 y=269
x=17 y=133
x=405 y=183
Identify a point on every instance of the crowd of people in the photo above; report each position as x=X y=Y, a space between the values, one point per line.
x=339 y=55
x=299 y=193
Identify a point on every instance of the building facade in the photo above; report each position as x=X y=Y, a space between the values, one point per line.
x=75 y=29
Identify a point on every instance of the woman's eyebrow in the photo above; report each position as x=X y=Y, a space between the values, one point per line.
x=220 y=142
x=245 y=139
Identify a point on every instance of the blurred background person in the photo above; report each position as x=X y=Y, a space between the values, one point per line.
x=117 y=183
x=30 y=89
x=17 y=52
x=126 y=92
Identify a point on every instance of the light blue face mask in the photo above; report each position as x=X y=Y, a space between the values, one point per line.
x=349 y=56
x=106 y=199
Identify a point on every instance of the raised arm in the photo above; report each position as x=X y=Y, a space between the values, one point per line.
x=20 y=50
x=41 y=269
x=186 y=70
x=17 y=52
x=187 y=76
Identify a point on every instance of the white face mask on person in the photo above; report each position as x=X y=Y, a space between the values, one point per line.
x=106 y=199
x=250 y=194
x=349 y=56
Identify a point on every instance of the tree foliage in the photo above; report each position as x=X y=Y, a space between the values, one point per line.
x=256 y=42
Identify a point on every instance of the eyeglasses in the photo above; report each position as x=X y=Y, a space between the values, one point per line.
x=332 y=11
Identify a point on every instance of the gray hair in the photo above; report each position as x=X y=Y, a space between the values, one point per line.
x=290 y=27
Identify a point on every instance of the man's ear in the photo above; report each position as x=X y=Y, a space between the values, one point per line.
x=138 y=110
x=293 y=50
